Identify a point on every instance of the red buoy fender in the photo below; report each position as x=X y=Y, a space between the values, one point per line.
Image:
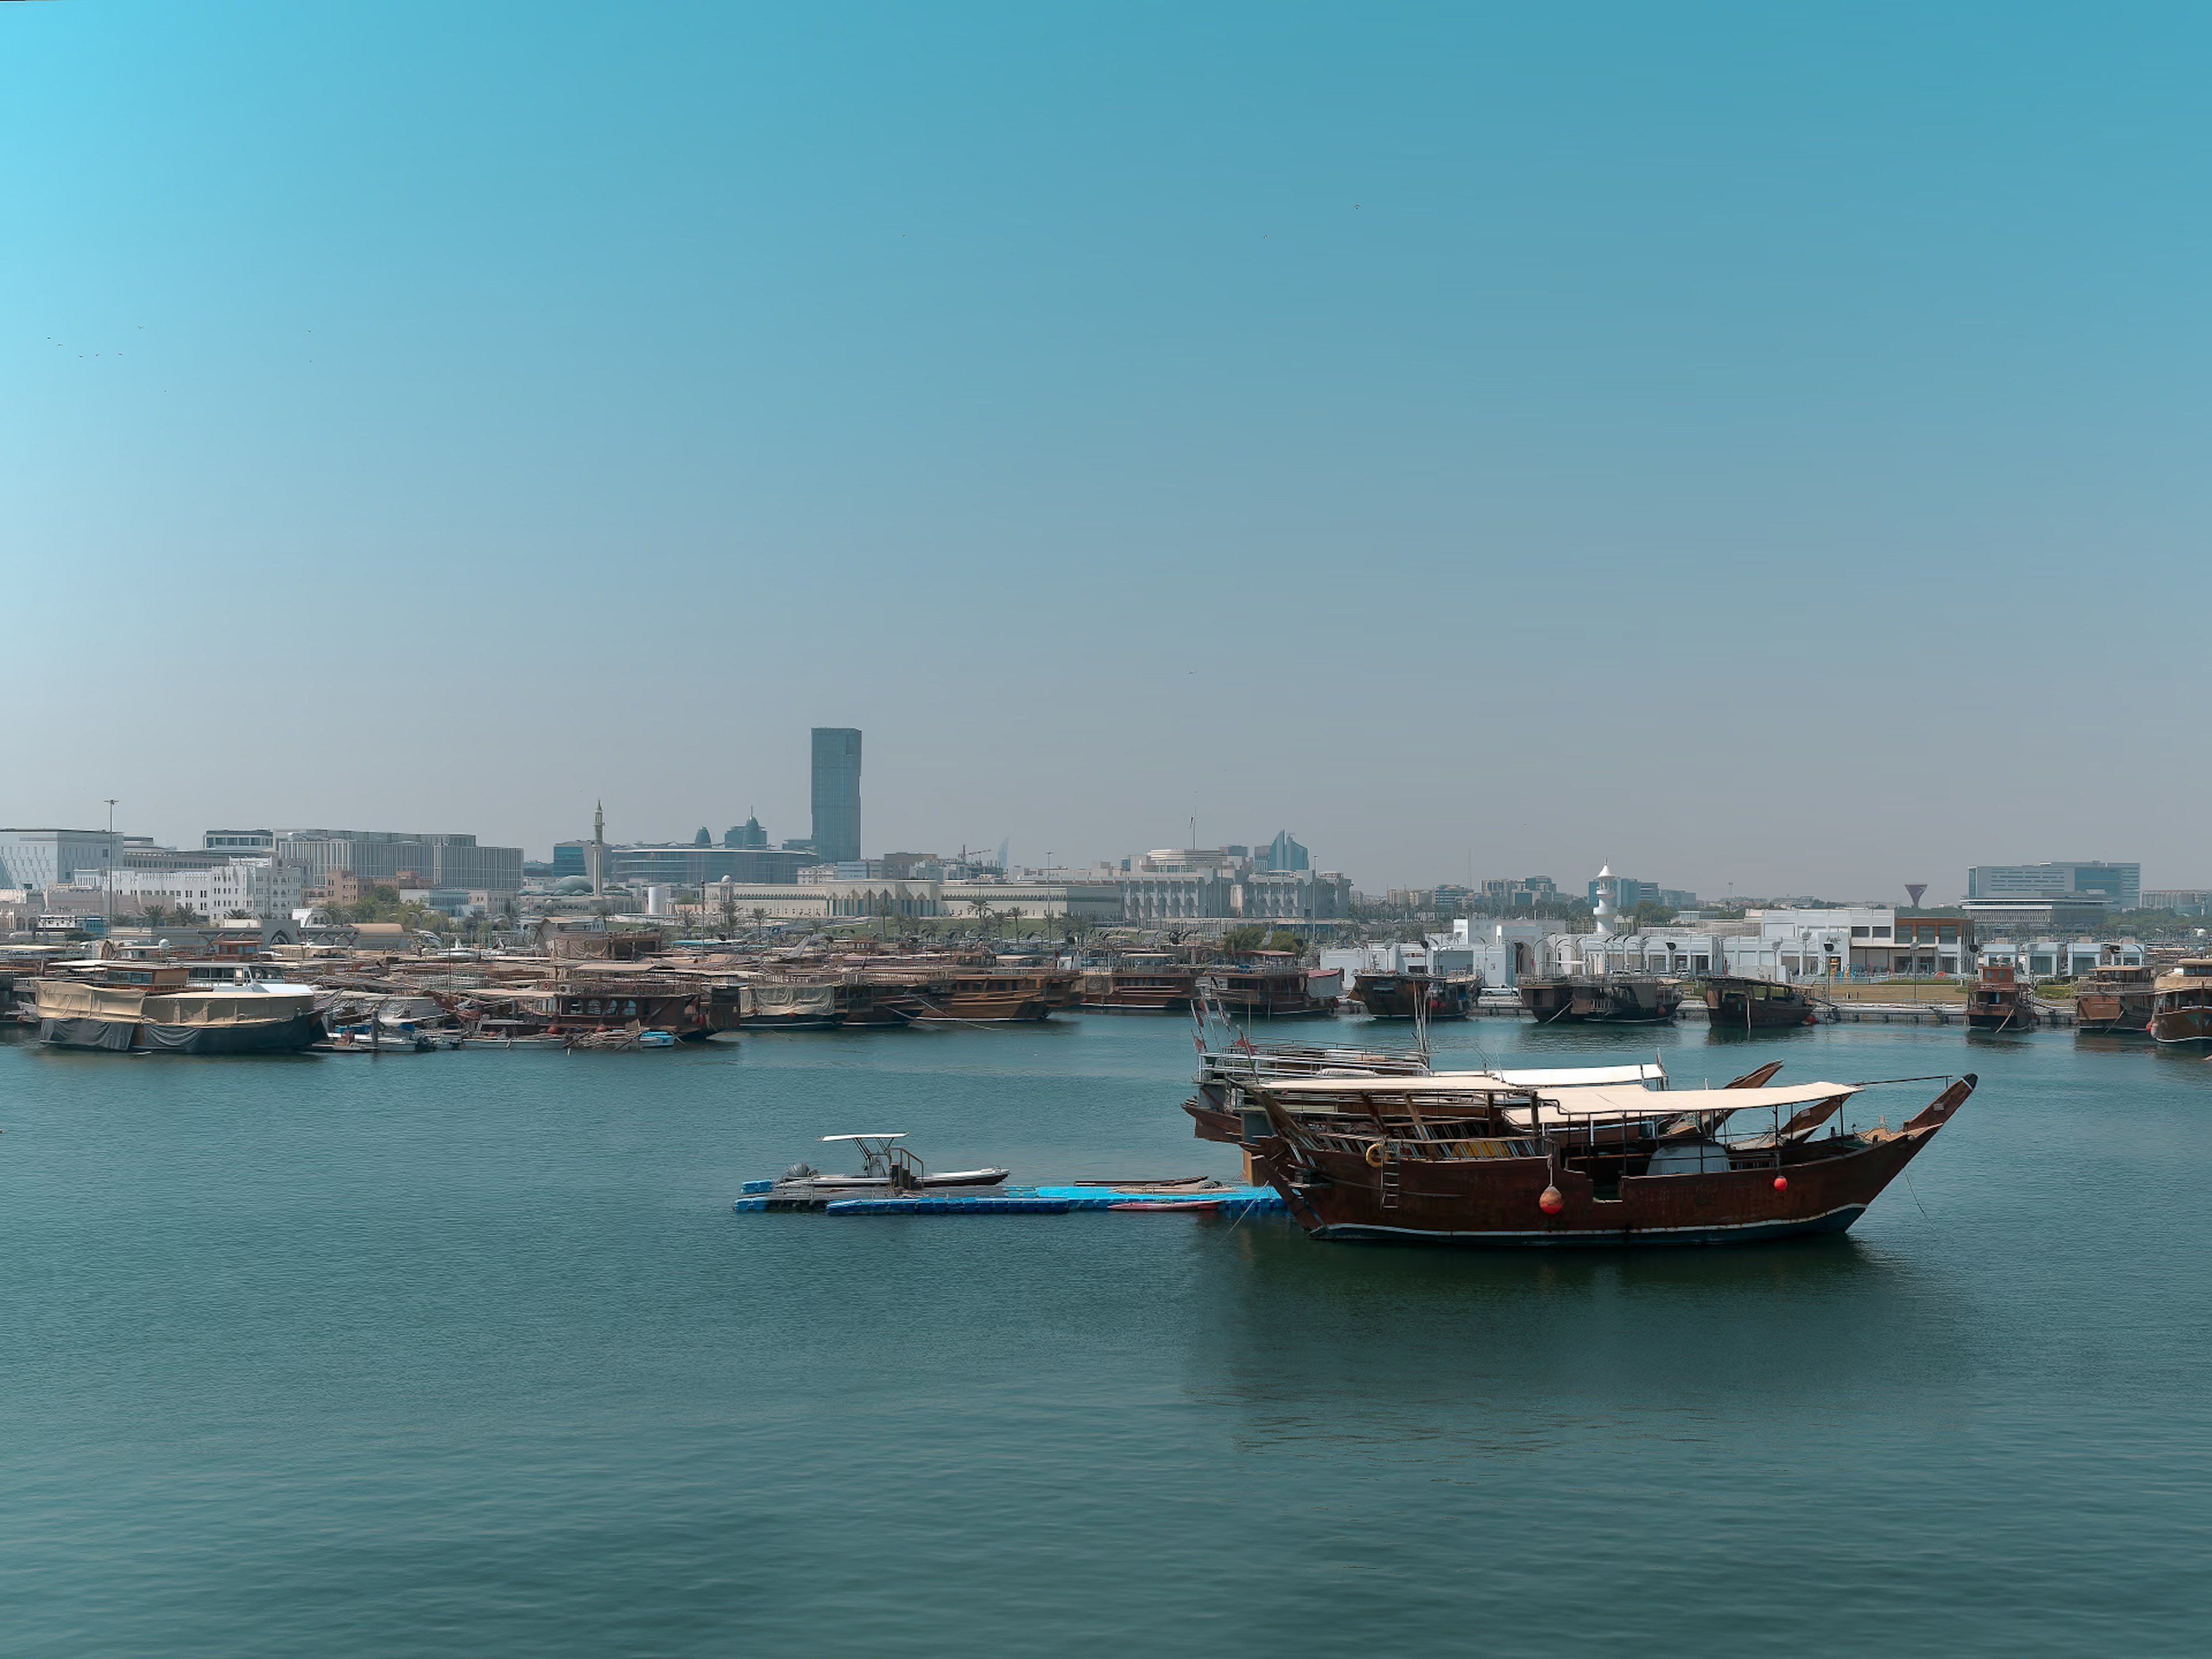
x=1552 y=1201
x=1782 y=1183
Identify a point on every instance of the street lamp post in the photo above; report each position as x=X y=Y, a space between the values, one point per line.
x=111 y=864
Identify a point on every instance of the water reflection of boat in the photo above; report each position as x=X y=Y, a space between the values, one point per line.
x=1468 y=1160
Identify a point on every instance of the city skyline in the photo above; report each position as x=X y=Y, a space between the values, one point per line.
x=1767 y=445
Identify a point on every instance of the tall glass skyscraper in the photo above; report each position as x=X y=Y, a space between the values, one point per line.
x=836 y=794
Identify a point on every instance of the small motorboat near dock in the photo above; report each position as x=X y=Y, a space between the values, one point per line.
x=978 y=1192
x=888 y=1169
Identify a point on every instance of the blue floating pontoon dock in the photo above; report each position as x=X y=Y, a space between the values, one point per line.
x=761 y=1195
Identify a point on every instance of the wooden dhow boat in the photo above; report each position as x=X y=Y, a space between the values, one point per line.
x=1416 y=996
x=1997 y=1001
x=1270 y=985
x=2181 y=1005
x=156 y=1007
x=1602 y=999
x=1150 y=982
x=2113 y=999
x=992 y=996
x=1469 y=1160
x=1738 y=1004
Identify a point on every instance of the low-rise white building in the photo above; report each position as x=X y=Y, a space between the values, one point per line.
x=262 y=887
x=2057 y=958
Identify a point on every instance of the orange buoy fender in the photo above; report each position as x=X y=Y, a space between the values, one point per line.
x=1552 y=1202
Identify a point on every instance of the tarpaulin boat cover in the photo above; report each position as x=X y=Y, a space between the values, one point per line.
x=87 y=1033
x=130 y=1005
x=786 y=1002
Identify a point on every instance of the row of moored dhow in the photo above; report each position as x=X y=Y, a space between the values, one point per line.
x=529 y=1001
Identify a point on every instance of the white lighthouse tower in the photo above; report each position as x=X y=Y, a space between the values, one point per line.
x=1606 y=910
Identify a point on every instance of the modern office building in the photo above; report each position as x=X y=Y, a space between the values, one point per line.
x=686 y=863
x=1628 y=893
x=1283 y=853
x=837 y=793
x=1523 y=893
x=386 y=855
x=2119 y=885
x=2182 y=901
x=43 y=858
x=238 y=843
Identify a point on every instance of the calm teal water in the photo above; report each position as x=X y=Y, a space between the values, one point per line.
x=466 y=1353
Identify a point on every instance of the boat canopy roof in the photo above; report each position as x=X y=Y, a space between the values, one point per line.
x=1579 y=1077
x=1606 y=1103
x=1580 y=1080
x=901 y=1136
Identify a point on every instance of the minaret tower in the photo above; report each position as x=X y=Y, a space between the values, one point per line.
x=598 y=849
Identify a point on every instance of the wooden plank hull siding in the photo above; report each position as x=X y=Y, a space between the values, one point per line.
x=865 y=1003
x=1214 y=1122
x=1266 y=996
x=2113 y=1013
x=988 y=999
x=1492 y=1196
x=619 y=1007
x=1139 y=991
x=1400 y=996
x=1750 y=1005
x=1061 y=990
x=2113 y=1000
x=1613 y=1000
x=2182 y=1023
x=2183 y=1009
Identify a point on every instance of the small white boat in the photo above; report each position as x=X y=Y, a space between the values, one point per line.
x=886 y=1164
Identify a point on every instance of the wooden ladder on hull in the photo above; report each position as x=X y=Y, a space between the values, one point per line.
x=1387 y=1176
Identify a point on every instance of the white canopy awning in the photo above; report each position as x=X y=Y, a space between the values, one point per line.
x=1583 y=1076
x=1614 y=1104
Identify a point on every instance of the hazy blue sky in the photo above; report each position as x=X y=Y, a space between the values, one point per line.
x=1745 y=444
